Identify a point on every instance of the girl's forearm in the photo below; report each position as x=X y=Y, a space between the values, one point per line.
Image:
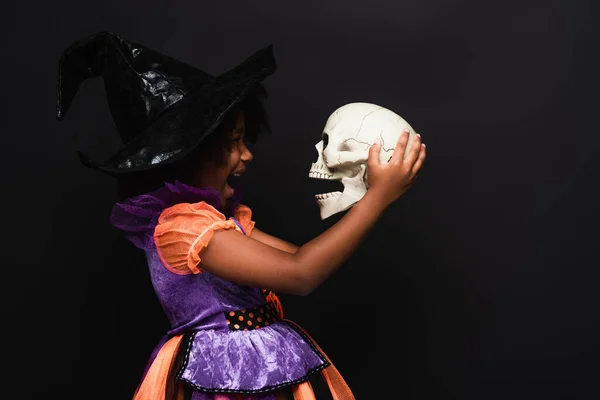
x=323 y=255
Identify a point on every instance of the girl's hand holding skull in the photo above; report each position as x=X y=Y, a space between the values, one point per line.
x=389 y=181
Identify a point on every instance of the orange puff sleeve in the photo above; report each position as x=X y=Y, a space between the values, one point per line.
x=244 y=215
x=185 y=229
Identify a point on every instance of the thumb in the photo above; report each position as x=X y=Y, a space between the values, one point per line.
x=374 y=152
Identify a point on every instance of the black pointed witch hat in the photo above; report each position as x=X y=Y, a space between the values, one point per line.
x=162 y=107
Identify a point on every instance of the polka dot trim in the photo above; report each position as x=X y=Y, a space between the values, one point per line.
x=252 y=318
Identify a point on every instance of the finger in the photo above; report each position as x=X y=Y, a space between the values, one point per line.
x=413 y=152
x=374 y=152
x=400 y=147
x=419 y=163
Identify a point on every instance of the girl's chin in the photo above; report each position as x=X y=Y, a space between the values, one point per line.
x=228 y=191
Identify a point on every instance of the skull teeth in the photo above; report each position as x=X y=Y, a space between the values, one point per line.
x=326 y=195
x=320 y=175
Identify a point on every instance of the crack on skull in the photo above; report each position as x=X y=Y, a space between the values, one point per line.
x=365 y=117
x=369 y=144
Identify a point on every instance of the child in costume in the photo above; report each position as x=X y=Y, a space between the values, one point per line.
x=183 y=132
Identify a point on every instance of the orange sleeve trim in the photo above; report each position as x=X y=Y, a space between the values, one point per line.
x=201 y=242
x=183 y=231
x=244 y=215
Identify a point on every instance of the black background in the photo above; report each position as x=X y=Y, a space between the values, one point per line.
x=480 y=283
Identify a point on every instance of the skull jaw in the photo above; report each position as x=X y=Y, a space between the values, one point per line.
x=336 y=204
x=354 y=189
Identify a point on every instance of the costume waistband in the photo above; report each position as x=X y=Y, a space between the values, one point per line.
x=252 y=318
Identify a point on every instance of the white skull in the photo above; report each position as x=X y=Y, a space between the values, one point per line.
x=344 y=150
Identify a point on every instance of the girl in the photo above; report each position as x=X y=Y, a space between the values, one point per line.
x=208 y=262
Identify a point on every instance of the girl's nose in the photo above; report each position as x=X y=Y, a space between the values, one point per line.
x=246 y=155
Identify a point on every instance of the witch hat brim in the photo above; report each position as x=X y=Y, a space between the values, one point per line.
x=181 y=127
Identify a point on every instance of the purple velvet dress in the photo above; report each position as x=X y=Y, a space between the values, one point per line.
x=215 y=359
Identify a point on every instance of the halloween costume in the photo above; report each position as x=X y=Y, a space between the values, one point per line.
x=226 y=341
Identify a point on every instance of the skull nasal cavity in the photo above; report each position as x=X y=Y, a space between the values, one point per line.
x=325 y=140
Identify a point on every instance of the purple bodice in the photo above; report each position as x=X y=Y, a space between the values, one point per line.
x=216 y=358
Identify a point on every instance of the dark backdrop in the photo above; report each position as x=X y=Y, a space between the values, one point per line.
x=480 y=283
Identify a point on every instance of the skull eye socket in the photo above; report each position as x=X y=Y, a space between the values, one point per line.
x=325 y=140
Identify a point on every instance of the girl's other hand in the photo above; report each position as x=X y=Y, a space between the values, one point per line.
x=390 y=181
